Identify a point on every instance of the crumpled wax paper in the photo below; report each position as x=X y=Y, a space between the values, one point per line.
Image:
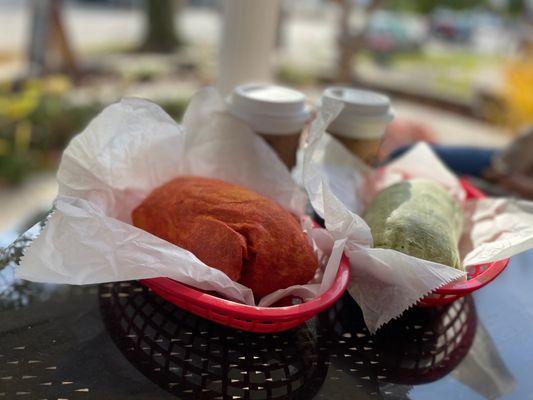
x=129 y=149
x=386 y=282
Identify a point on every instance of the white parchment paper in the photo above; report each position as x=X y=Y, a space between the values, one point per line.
x=386 y=282
x=128 y=150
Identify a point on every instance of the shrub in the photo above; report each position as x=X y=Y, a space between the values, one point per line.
x=37 y=121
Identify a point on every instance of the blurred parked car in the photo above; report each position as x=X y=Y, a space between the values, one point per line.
x=484 y=30
x=114 y=3
x=391 y=32
x=451 y=26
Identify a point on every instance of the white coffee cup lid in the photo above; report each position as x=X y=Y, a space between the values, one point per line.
x=365 y=114
x=268 y=108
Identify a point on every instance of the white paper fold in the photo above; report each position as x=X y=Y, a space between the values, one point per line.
x=385 y=282
x=128 y=150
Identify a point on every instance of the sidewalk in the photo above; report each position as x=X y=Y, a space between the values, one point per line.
x=451 y=128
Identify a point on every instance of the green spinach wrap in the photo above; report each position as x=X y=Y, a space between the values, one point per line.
x=417 y=217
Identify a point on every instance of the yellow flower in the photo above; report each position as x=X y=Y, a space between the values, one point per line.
x=33 y=85
x=57 y=84
x=21 y=107
x=519 y=91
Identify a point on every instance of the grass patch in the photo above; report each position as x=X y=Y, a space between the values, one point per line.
x=293 y=75
x=445 y=60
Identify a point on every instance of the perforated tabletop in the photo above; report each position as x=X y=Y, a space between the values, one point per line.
x=120 y=341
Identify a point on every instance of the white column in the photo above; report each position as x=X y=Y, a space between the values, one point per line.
x=248 y=39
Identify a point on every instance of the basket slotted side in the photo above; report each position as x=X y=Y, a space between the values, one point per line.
x=244 y=317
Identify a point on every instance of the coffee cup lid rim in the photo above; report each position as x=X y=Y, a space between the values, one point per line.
x=359 y=101
x=268 y=99
x=269 y=107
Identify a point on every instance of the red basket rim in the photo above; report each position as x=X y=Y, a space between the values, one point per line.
x=491 y=271
x=244 y=311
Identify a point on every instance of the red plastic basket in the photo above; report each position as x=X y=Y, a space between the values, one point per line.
x=477 y=276
x=244 y=317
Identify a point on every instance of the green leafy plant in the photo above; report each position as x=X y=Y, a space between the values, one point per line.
x=17 y=105
x=37 y=120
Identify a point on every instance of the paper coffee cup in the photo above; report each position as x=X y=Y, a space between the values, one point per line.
x=362 y=122
x=276 y=113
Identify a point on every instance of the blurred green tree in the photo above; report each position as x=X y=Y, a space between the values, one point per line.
x=516 y=7
x=160 y=32
x=426 y=6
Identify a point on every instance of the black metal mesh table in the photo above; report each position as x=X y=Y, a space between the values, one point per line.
x=121 y=341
